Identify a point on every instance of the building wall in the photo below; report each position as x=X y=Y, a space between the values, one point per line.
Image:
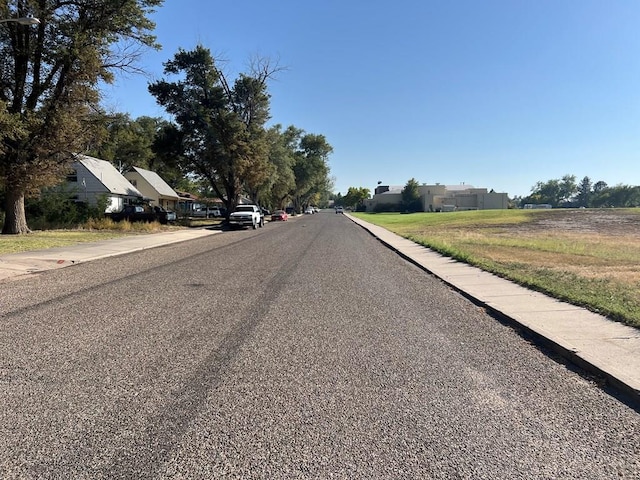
x=149 y=192
x=387 y=198
x=85 y=187
x=143 y=187
x=494 y=201
x=439 y=198
x=86 y=184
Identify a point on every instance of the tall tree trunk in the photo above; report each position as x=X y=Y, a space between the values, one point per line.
x=15 y=220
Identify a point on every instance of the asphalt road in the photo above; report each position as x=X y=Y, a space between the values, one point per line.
x=305 y=349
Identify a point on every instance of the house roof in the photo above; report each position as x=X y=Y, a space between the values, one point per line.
x=186 y=195
x=109 y=176
x=158 y=184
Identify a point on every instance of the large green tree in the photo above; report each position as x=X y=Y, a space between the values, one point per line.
x=310 y=168
x=585 y=190
x=356 y=196
x=128 y=142
x=282 y=180
x=219 y=127
x=49 y=85
x=556 y=192
x=411 y=196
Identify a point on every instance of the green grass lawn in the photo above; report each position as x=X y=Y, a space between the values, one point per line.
x=586 y=257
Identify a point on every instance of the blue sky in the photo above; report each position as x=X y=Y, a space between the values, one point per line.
x=492 y=93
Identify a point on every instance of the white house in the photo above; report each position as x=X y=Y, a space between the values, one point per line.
x=153 y=187
x=92 y=179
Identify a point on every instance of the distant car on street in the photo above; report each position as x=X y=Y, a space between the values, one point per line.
x=279 y=216
x=339 y=210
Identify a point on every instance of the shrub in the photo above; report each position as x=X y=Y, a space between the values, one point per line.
x=56 y=209
x=107 y=223
x=386 y=207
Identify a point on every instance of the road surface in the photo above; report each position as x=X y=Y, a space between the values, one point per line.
x=301 y=350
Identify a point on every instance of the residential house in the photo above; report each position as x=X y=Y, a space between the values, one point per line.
x=187 y=202
x=92 y=179
x=192 y=205
x=154 y=188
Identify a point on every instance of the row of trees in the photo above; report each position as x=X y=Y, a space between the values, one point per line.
x=567 y=192
x=354 y=198
x=217 y=136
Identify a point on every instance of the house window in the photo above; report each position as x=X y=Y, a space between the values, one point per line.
x=73 y=177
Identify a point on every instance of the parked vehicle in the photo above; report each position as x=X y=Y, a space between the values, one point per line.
x=143 y=213
x=213 y=212
x=279 y=216
x=339 y=210
x=309 y=211
x=171 y=215
x=245 y=216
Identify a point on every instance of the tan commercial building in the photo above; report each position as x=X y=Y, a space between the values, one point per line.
x=439 y=198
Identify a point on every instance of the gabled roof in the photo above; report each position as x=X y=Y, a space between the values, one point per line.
x=187 y=195
x=158 y=184
x=108 y=175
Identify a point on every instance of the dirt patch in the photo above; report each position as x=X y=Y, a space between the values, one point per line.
x=610 y=222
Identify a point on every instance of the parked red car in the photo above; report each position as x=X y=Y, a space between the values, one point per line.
x=279 y=216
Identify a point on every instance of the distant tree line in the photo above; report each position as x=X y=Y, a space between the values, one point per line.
x=354 y=198
x=566 y=192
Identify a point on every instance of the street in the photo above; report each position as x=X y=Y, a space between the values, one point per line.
x=304 y=349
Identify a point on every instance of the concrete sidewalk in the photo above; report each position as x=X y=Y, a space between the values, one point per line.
x=606 y=348
x=16 y=264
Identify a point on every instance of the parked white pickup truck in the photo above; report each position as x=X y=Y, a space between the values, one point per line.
x=246 y=216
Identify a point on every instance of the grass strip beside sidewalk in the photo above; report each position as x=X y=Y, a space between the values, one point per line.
x=42 y=240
